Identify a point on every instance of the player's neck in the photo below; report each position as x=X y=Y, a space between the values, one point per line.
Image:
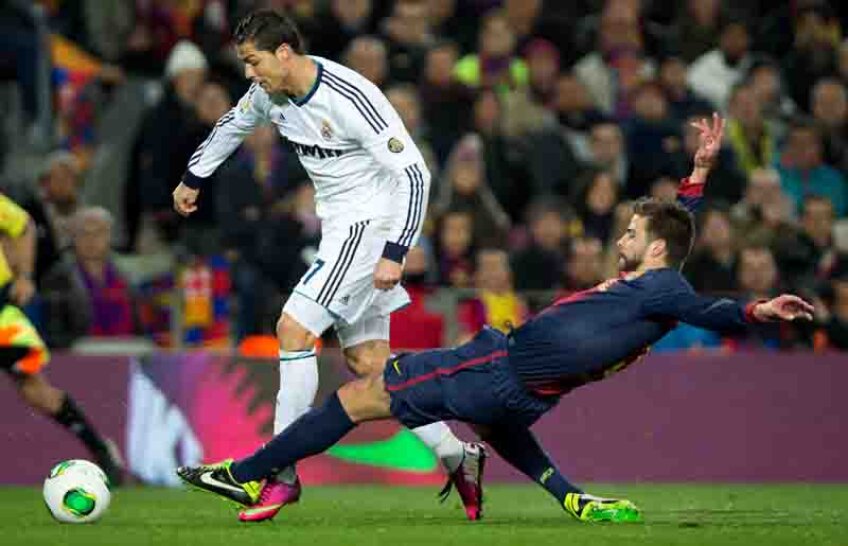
x=302 y=77
x=649 y=265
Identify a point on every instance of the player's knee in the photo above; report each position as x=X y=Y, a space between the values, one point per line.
x=365 y=399
x=33 y=391
x=365 y=365
x=293 y=336
x=369 y=358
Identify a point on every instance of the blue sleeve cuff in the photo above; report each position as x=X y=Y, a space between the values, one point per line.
x=395 y=252
x=192 y=180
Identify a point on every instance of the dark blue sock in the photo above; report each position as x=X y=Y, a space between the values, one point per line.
x=311 y=434
x=520 y=448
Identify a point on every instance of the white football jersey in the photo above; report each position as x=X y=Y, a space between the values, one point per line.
x=350 y=140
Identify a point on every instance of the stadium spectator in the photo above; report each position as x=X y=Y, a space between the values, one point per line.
x=495 y=63
x=803 y=171
x=757 y=278
x=596 y=201
x=664 y=188
x=698 y=28
x=407 y=34
x=585 y=264
x=618 y=65
x=445 y=102
x=806 y=258
x=715 y=73
x=777 y=108
x=163 y=128
x=751 y=139
x=541 y=265
x=464 y=186
x=85 y=293
x=813 y=55
x=404 y=98
x=576 y=111
x=830 y=110
x=651 y=135
x=607 y=151
x=496 y=303
x=54 y=207
x=447 y=20
x=543 y=65
x=368 y=56
x=682 y=102
x=345 y=20
x=835 y=319
x=712 y=266
x=763 y=205
x=455 y=247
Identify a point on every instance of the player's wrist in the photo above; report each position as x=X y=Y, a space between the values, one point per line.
x=192 y=181
x=699 y=175
x=395 y=252
x=756 y=311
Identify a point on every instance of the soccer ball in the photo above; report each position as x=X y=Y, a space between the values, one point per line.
x=76 y=491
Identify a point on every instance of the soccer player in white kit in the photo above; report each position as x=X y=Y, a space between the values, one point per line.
x=371 y=190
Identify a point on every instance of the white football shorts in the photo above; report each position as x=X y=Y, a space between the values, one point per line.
x=338 y=289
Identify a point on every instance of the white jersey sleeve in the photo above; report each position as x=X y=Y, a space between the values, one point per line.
x=374 y=123
x=226 y=136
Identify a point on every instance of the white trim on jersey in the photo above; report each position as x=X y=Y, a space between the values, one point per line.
x=351 y=142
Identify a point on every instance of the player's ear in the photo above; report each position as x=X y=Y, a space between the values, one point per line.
x=283 y=52
x=657 y=248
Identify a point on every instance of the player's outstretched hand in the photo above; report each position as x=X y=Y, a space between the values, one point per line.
x=784 y=307
x=185 y=199
x=709 y=144
x=387 y=274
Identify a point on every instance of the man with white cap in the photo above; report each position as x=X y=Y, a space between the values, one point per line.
x=163 y=128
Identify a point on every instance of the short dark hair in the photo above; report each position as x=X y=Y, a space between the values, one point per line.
x=671 y=222
x=268 y=29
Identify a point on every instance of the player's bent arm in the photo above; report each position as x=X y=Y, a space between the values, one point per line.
x=411 y=197
x=227 y=134
x=396 y=152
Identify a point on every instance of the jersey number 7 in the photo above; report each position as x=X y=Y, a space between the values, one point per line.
x=319 y=263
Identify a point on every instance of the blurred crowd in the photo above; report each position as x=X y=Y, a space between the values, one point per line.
x=540 y=120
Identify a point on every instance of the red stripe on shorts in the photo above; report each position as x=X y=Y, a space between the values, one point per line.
x=446 y=371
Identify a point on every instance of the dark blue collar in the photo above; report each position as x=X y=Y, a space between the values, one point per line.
x=301 y=101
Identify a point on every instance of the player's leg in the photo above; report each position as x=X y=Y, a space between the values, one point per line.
x=23 y=355
x=363 y=399
x=298 y=328
x=518 y=446
x=366 y=349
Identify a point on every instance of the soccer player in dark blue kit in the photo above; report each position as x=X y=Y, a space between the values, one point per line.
x=501 y=384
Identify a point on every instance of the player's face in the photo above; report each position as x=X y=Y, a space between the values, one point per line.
x=633 y=245
x=265 y=68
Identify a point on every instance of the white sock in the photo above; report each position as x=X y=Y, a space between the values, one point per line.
x=440 y=438
x=298 y=386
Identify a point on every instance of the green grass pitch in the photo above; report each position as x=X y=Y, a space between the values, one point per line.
x=401 y=516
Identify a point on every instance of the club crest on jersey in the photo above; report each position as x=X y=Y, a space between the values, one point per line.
x=326 y=130
x=244 y=105
x=395 y=145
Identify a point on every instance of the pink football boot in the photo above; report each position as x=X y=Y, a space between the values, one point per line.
x=272 y=498
x=468 y=480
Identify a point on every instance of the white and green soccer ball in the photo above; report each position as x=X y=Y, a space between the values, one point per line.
x=76 y=491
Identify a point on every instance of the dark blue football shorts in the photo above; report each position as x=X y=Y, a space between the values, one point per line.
x=473 y=383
